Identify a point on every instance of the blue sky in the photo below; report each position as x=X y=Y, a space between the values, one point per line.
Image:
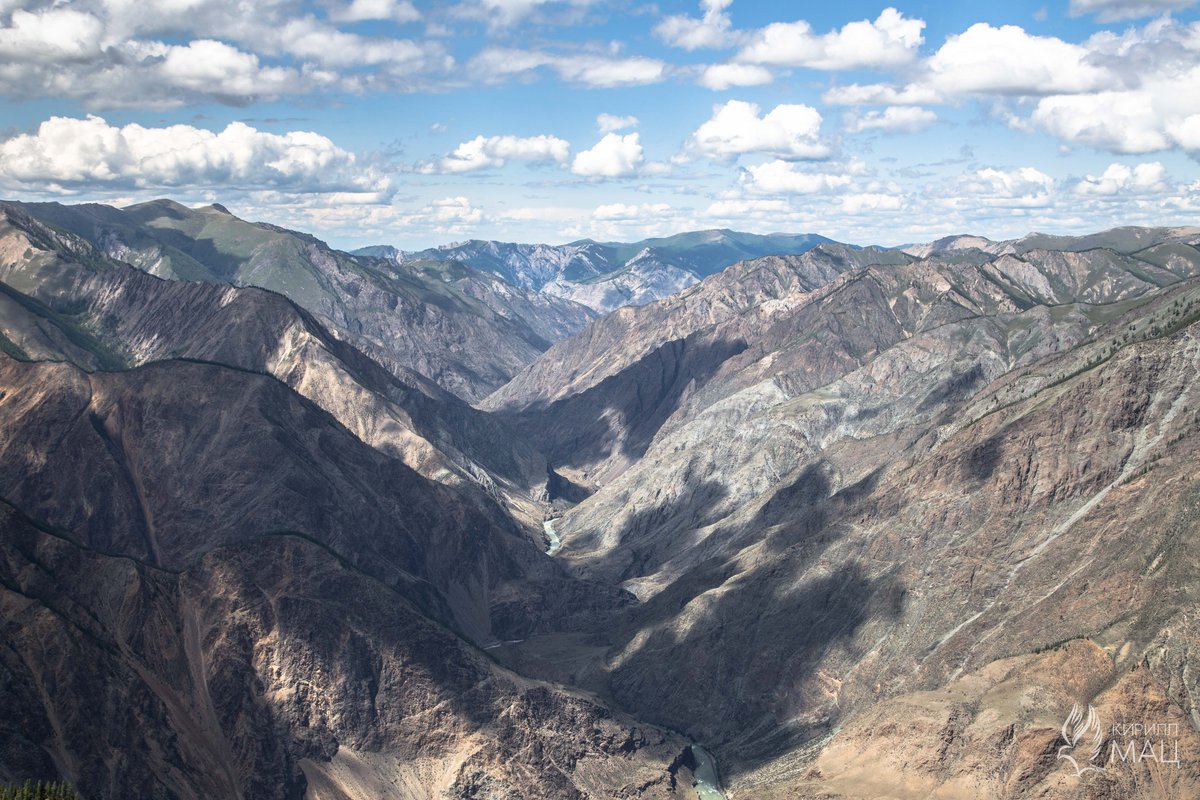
x=412 y=123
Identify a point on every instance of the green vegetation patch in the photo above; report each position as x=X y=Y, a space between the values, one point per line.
x=71 y=326
x=12 y=349
x=39 y=790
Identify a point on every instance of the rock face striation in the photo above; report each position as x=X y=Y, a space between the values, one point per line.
x=861 y=522
x=887 y=522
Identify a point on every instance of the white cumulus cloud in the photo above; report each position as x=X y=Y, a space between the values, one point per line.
x=880 y=94
x=361 y=10
x=614 y=156
x=607 y=123
x=497 y=64
x=604 y=72
x=1118 y=178
x=205 y=65
x=713 y=30
x=787 y=131
x=783 y=177
x=488 y=152
x=1129 y=92
x=452 y=211
x=51 y=35
x=309 y=39
x=1186 y=132
x=1008 y=60
x=1123 y=122
x=1156 y=108
x=631 y=211
x=66 y=152
x=891 y=40
x=1022 y=187
x=719 y=77
x=901 y=119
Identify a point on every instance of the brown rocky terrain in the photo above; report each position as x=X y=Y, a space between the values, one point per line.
x=67 y=301
x=864 y=523
x=894 y=480
x=273 y=664
x=244 y=596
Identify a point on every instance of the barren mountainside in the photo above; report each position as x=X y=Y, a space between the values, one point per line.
x=267 y=595
x=866 y=514
x=859 y=522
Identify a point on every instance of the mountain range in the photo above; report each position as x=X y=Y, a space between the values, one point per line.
x=463 y=329
x=847 y=523
x=605 y=276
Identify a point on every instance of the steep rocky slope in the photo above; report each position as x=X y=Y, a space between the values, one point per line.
x=606 y=276
x=215 y=541
x=593 y=402
x=221 y=604
x=465 y=330
x=63 y=300
x=885 y=489
x=614 y=342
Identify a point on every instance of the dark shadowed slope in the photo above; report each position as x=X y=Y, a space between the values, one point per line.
x=222 y=603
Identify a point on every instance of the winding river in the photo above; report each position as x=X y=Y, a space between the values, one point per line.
x=708 y=785
x=552 y=535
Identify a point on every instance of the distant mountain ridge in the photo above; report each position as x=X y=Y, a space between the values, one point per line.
x=608 y=275
x=1127 y=240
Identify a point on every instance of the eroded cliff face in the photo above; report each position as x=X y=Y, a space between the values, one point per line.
x=895 y=481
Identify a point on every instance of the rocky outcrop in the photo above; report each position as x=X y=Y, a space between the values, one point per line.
x=274 y=669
